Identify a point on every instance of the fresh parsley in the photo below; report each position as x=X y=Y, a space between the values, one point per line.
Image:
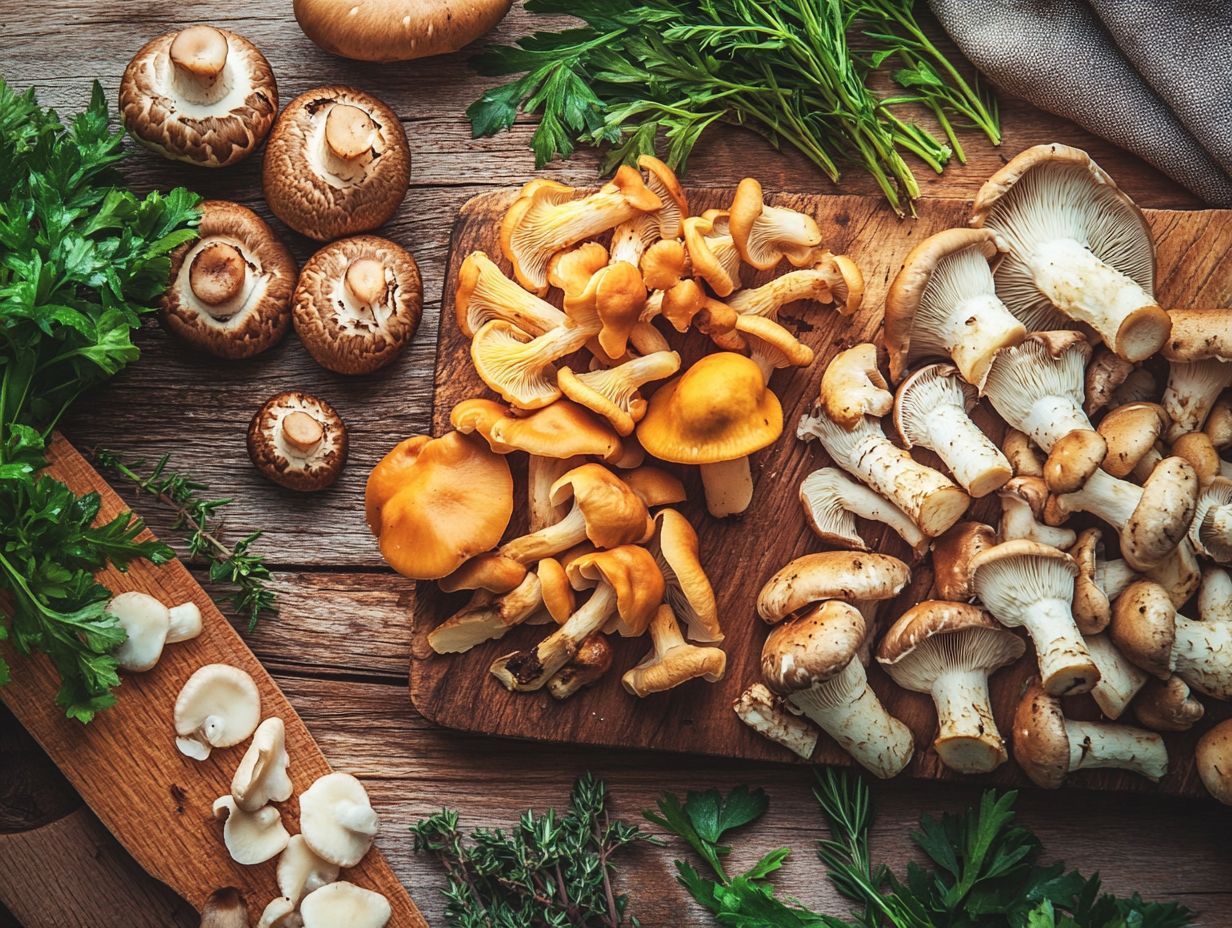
x=82 y=259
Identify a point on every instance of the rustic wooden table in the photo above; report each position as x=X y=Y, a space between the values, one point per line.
x=340 y=646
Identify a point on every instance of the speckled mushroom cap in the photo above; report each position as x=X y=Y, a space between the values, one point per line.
x=230 y=292
x=337 y=163
x=358 y=303
x=298 y=441
x=202 y=95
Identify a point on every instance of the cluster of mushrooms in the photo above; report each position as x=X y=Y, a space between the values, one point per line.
x=336 y=166
x=569 y=373
x=1115 y=408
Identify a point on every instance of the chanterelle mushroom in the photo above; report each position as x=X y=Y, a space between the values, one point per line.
x=487 y=616
x=1029 y=585
x=484 y=293
x=337 y=163
x=948 y=650
x=218 y=706
x=261 y=777
x=833 y=279
x=614 y=392
x=712 y=251
x=251 y=837
x=300 y=871
x=337 y=820
x=230 y=290
x=932 y=409
x=812 y=662
x=1048 y=746
x=1076 y=244
x=298 y=441
x=1214 y=757
x=561 y=430
x=357 y=304
x=592 y=661
x=202 y=95
x=764 y=235
x=521 y=368
x=689 y=593
x=344 y=903
x=1199 y=354
x=672 y=661
x=832 y=501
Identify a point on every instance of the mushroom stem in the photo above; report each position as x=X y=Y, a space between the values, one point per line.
x=1101 y=744
x=764 y=712
x=485 y=617
x=1050 y=418
x=976 y=324
x=216 y=278
x=970 y=455
x=1086 y=289
x=198 y=58
x=1114 y=576
x=728 y=486
x=358 y=818
x=1193 y=387
x=864 y=503
x=541 y=473
x=365 y=280
x=529 y=670
x=1215 y=595
x=552 y=539
x=1119 y=680
x=1065 y=664
x=846 y=708
x=967 y=738
x=348 y=132
x=301 y=431
x=1200 y=656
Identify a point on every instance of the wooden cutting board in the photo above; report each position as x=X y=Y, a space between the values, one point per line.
x=741 y=554
x=125 y=764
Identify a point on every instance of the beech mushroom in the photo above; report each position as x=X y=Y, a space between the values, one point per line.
x=1029 y=585
x=561 y=430
x=1167 y=705
x=1076 y=244
x=929 y=498
x=380 y=30
x=953 y=553
x=1131 y=433
x=932 y=409
x=337 y=163
x=298 y=441
x=1119 y=680
x=521 y=368
x=764 y=235
x=146 y=623
x=689 y=593
x=337 y=820
x=627 y=587
x=433 y=503
x=251 y=837
x=766 y=713
x=548 y=217
x=943 y=304
x=834 y=279
x=484 y=293
x=1151 y=633
x=811 y=661
x=1022 y=507
x=672 y=661
x=614 y=392
x=230 y=289
x=949 y=650
x=605 y=511
x=1048 y=746
x=487 y=617
x=712 y=251
x=1199 y=354
x=217 y=707
x=1210 y=532
x=1215 y=595
x=300 y=871
x=852 y=387
x=832 y=501
x=344 y=903
x=1214 y=757
x=202 y=95
x=715 y=414
x=261 y=777
x=1037 y=387
x=592 y=661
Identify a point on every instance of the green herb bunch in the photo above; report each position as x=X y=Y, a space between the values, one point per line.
x=551 y=871
x=82 y=259
x=651 y=69
x=198 y=519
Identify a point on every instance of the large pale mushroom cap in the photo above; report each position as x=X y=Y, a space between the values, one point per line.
x=300 y=871
x=851 y=576
x=812 y=648
x=202 y=95
x=337 y=163
x=357 y=304
x=345 y=904
x=337 y=820
x=298 y=441
x=251 y=837
x=230 y=290
x=146 y=622
x=632 y=574
x=217 y=707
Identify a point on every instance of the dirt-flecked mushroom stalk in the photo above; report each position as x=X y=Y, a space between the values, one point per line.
x=487 y=617
x=767 y=714
x=1215 y=595
x=1119 y=680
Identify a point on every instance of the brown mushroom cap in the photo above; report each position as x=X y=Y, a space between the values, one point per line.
x=202 y=95
x=1091 y=608
x=852 y=576
x=358 y=303
x=230 y=290
x=952 y=556
x=1167 y=705
x=1163 y=514
x=1041 y=745
x=1214 y=756
x=1144 y=627
x=310 y=182
x=812 y=648
x=1131 y=432
x=298 y=441
x=396 y=30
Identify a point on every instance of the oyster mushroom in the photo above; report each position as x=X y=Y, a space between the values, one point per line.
x=357 y=304
x=344 y=903
x=832 y=501
x=298 y=441
x=614 y=392
x=300 y=871
x=202 y=95
x=689 y=593
x=251 y=837
x=672 y=661
x=1077 y=245
x=337 y=163
x=337 y=820
x=764 y=235
x=230 y=290
x=766 y=713
x=279 y=913
x=261 y=777
x=217 y=707
x=1199 y=354
x=146 y=623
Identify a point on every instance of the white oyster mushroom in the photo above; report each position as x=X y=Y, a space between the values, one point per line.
x=145 y=621
x=337 y=820
x=345 y=904
x=250 y=837
x=217 y=707
x=280 y=913
x=261 y=777
x=300 y=871
x=185 y=622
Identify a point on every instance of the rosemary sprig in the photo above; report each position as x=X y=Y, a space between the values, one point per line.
x=196 y=517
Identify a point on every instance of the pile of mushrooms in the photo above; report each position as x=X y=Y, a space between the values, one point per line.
x=1113 y=407
x=572 y=339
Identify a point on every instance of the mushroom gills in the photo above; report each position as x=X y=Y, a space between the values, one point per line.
x=832 y=501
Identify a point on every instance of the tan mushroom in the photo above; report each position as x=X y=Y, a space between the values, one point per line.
x=1119 y=680
x=484 y=293
x=230 y=290
x=1105 y=374
x=1199 y=353
x=1023 y=456
x=673 y=661
x=614 y=392
x=712 y=251
x=764 y=235
x=217 y=707
x=1131 y=433
x=337 y=163
x=381 y=30
x=202 y=95
x=1219 y=423
x=852 y=387
x=1167 y=705
x=225 y=908
x=587 y=667
x=1022 y=507
x=767 y=714
x=953 y=554
x=298 y=441
x=689 y=594
x=1214 y=757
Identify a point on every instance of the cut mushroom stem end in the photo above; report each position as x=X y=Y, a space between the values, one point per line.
x=529 y=670
x=728 y=486
x=967 y=739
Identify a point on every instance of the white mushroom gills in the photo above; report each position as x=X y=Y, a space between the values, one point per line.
x=261 y=777
x=833 y=499
x=1037 y=394
x=1101 y=744
x=1119 y=680
x=251 y=837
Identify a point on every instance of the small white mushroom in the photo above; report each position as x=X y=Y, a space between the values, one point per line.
x=145 y=621
x=280 y=913
x=832 y=501
x=251 y=837
x=218 y=706
x=300 y=871
x=261 y=777
x=337 y=820
x=767 y=714
x=1022 y=504
x=185 y=622
x=345 y=904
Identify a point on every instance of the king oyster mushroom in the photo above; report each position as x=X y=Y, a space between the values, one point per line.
x=357 y=304
x=337 y=163
x=1076 y=245
x=298 y=441
x=202 y=95
x=230 y=290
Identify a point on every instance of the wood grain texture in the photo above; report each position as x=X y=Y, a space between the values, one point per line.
x=125 y=765
x=741 y=554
